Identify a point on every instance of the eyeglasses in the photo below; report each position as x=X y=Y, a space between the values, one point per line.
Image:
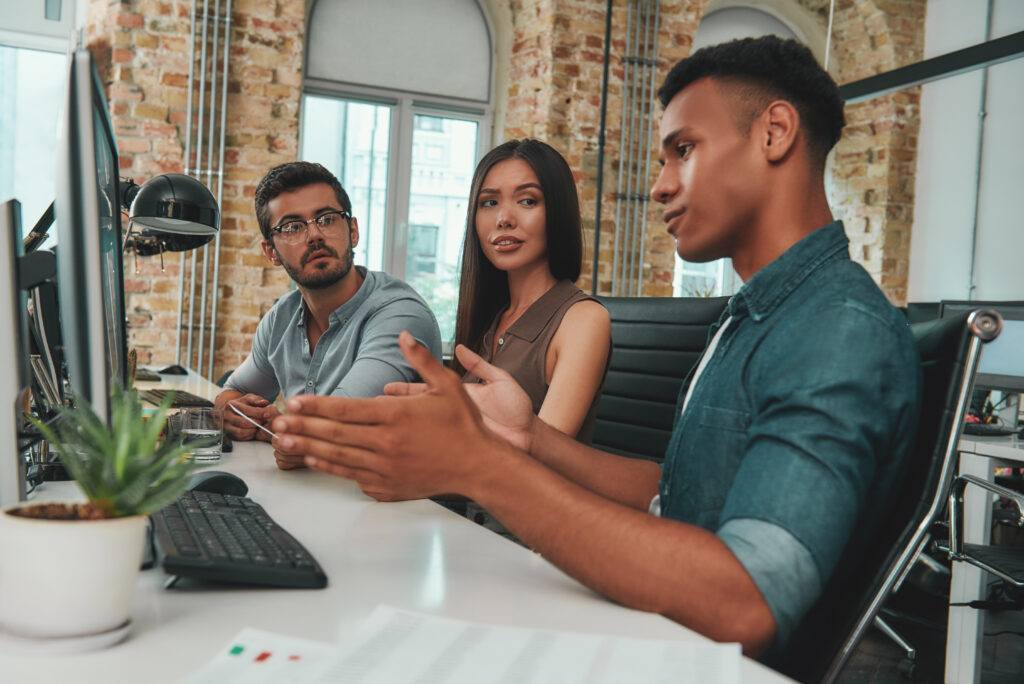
x=329 y=224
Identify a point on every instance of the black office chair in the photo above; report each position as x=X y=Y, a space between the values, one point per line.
x=656 y=341
x=1005 y=562
x=866 y=576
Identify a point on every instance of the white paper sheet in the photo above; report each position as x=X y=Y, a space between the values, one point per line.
x=396 y=646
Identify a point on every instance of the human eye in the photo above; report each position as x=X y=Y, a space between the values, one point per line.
x=488 y=203
x=529 y=202
x=291 y=227
x=683 y=149
x=325 y=220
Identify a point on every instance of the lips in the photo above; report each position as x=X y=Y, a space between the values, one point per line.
x=320 y=253
x=505 y=243
x=670 y=216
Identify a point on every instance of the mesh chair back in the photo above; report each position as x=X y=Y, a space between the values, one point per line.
x=875 y=560
x=655 y=343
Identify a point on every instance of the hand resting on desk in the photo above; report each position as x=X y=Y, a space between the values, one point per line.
x=252 y=405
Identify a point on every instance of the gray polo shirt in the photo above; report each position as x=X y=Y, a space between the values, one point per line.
x=355 y=357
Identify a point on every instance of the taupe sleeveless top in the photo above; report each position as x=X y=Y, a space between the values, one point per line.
x=522 y=349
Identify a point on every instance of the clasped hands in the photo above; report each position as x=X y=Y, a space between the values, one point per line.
x=418 y=440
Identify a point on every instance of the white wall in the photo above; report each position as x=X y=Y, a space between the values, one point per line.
x=940 y=250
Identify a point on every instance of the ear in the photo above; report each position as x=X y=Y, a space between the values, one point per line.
x=270 y=252
x=353 y=231
x=781 y=125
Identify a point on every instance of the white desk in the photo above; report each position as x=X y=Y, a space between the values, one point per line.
x=414 y=555
x=979 y=456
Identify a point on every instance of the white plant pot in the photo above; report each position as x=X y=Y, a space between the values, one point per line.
x=68 y=578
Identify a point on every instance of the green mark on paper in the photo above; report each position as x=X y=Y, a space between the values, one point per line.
x=236 y=650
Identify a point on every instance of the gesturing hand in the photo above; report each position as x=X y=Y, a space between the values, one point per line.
x=428 y=442
x=504 y=405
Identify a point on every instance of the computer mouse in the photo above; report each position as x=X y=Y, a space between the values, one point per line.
x=218 y=482
x=174 y=369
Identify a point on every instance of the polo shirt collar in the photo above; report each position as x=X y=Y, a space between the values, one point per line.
x=343 y=312
x=763 y=293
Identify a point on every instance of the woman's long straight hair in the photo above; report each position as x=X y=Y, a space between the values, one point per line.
x=483 y=289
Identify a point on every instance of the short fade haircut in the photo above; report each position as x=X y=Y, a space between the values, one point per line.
x=292 y=176
x=760 y=71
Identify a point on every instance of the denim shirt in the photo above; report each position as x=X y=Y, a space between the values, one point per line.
x=800 y=423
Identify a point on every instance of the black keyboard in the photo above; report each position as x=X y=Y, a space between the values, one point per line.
x=144 y=374
x=223 y=538
x=156 y=396
x=987 y=429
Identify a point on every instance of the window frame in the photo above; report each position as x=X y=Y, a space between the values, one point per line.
x=405 y=106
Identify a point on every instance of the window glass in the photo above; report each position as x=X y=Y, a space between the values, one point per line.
x=352 y=139
x=31 y=88
x=443 y=157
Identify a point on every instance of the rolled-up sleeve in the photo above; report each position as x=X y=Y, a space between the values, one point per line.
x=825 y=433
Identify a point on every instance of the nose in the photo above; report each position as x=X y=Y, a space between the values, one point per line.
x=665 y=187
x=310 y=236
x=505 y=216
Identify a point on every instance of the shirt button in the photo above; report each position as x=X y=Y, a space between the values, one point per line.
x=309 y=384
x=501 y=341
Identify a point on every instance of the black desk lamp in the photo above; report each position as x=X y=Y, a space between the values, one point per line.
x=176 y=213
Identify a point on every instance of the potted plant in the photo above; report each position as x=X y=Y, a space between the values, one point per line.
x=69 y=569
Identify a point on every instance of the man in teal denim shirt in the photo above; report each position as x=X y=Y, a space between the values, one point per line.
x=793 y=428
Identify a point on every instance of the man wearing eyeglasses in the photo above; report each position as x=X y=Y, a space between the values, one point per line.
x=337 y=333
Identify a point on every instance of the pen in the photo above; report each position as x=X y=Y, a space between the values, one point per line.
x=233 y=408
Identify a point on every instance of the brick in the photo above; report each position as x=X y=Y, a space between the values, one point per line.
x=144 y=110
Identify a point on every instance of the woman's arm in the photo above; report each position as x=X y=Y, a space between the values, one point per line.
x=575 y=365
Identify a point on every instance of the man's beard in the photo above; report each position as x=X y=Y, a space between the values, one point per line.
x=321 y=278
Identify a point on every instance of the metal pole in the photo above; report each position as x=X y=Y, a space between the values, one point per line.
x=188 y=169
x=978 y=157
x=639 y=82
x=650 y=134
x=209 y=183
x=199 y=172
x=220 y=188
x=622 y=152
x=627 y=247
x=600 y=146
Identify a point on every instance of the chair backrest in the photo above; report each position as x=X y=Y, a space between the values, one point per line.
x=655 y=343
x=868 y=572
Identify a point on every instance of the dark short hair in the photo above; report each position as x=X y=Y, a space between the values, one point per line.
x=762 y=70
x=292 y=176
x=483 y=289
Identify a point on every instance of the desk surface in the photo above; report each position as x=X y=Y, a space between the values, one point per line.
x=414 y=555
x=1003 y=447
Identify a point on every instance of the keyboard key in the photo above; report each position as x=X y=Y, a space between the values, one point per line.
x=230 y=539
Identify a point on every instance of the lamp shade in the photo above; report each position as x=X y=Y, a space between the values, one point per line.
x=177 y=211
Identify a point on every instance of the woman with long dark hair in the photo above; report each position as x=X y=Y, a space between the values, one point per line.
x=518 y=306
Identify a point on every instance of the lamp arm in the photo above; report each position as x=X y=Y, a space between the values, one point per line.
x=127 y=189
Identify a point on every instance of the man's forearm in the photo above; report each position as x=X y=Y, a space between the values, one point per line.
x=681 y=571
x=629 y=481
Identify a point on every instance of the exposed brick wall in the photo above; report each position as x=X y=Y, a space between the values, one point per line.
x=143 y=49
x=554 y=94
x=872 y=169
x=873 y=166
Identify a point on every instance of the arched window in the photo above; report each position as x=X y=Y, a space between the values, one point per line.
x=402 y=126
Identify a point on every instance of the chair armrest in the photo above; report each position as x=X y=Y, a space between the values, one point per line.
x=956 y=508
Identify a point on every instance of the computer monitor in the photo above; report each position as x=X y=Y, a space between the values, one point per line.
x=89 y=266
x=1002 y=360
x=14 y=372
x=920 y=312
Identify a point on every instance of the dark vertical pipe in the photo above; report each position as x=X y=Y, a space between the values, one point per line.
x=600 y=146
